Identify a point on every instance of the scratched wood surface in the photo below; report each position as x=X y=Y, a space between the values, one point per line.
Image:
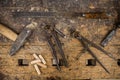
x=93 y=29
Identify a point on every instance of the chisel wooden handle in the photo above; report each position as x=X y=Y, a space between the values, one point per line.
x=7 y=32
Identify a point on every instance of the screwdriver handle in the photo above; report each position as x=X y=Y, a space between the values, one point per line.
x=7 y=32
x=108 y=37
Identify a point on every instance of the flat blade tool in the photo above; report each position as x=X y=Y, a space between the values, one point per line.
x=112 y=32
x=26 y=32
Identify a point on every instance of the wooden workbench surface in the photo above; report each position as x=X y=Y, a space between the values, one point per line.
x=93 y=29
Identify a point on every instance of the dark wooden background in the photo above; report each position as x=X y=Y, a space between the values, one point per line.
x=93 y=29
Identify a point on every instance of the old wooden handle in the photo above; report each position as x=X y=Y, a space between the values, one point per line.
x=7 y=32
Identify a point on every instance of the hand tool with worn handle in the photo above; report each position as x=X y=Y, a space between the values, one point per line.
x=58 y=43
x=48 y=38
x=52 y=34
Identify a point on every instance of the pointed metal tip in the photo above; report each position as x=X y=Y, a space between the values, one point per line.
x=11 y=53
x=103 y=45
x=58 y=68
x=108 y=72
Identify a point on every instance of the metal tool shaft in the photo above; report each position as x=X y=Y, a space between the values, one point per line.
x=88 y=49
x=58 y=43
x=48 y=38
x=60 y=33
x=20 y=40
x=99 y=48
x=108 y=37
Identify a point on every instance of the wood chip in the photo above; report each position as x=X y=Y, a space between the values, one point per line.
x=35 y=61
x=42 y=59
x=42 y=65
x=36 y=57
x=37 y=69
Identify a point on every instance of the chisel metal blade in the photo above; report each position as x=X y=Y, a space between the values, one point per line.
x=60 y=33
x=108 y=37
x=112 y=32
x=26 y=32
x=20 y=41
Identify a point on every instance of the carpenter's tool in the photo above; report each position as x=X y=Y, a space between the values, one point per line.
x=7 y=32
x=58 y=43
x=88 y=15
x=59 y=32
x=86 y=43
x=110 y=35
x=48 y=38
x=33 y=14
x=26 y=32
x=52 y=33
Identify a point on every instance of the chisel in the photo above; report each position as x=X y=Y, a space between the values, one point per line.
x=26 y=32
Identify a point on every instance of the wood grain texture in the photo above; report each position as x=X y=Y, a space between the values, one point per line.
x=93 y=29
